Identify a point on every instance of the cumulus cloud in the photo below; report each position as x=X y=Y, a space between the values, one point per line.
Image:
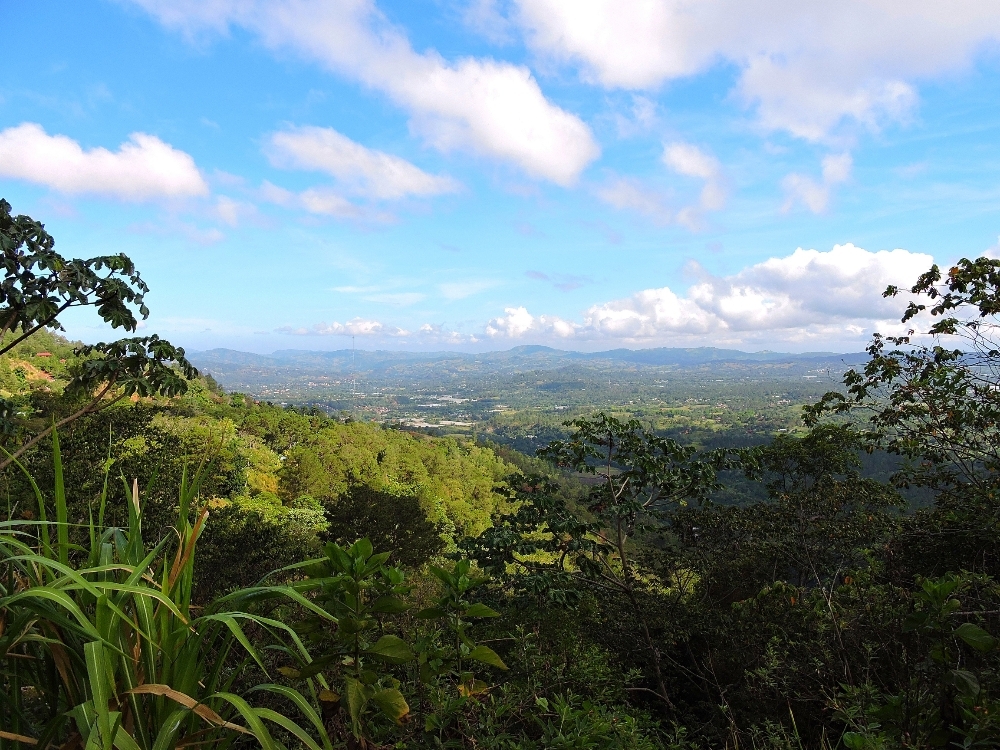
x=362 y=171
x=827 y=297
x=815 y=195
x=143 y=168
x=516 y=322
x=805 y=66
x=492 y=108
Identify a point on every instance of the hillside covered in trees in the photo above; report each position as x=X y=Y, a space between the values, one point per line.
x=185 y=566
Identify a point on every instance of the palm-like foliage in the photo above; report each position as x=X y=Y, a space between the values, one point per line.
x=101 y=647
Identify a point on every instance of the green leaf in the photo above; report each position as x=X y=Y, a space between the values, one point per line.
x=965 y=682
x=481 y=610
x=486 y=655
x=377 y=561
x=304 y=706
x=976 y=637
x=290 y=726
x=392 y=704
x=362 y=548
x=125 y=741
x=391 y=649
x=431 y=613
x=357 y=698
x=444 y=576
x=389 y=605
x=914 y=621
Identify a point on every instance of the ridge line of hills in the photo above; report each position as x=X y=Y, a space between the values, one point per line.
x=520 y=356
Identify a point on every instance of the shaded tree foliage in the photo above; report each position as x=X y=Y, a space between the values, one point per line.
x=394 y=522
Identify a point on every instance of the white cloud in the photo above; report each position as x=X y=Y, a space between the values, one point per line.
x=689 y=160
x=232 y=212
x=516 y=322
x=328 y=202
x=815 y=195
x=483 y=17
x=827 y=298
x=362 y=171
x=631 y=194
x=686 y=160
x=492 y=108
x=322 y=202
x=806 y=67
x=143 y=168
x=355 y=327
x=640 y=118
x=427 y=333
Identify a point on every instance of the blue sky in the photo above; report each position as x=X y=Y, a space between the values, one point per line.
x=479 y=174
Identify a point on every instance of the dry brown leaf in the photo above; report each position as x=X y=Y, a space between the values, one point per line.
x=188 y=702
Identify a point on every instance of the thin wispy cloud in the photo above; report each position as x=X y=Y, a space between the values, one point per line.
x=815 y=194
x=359 y=170
x=561 y=281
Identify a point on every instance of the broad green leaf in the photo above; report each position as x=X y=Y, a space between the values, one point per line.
x=976 y=637
x=965 y=682
x=362 y=548
x=444 y=576
x=392 y=649
x=377 y=561
x=392 y=704
x=389 y=605
x=125 y=741
x=357 y=698
x=481 y=610
x=486 y=655
x=431 y=613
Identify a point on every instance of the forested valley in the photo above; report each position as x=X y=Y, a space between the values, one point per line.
x=184 y=566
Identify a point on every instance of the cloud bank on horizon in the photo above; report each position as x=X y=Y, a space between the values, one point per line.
x=410 y=172
x=799 y=300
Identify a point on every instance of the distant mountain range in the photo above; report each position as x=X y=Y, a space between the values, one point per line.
x=345 y=361
x=458 y=387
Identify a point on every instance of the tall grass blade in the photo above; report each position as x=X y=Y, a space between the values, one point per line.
x=62 y=519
